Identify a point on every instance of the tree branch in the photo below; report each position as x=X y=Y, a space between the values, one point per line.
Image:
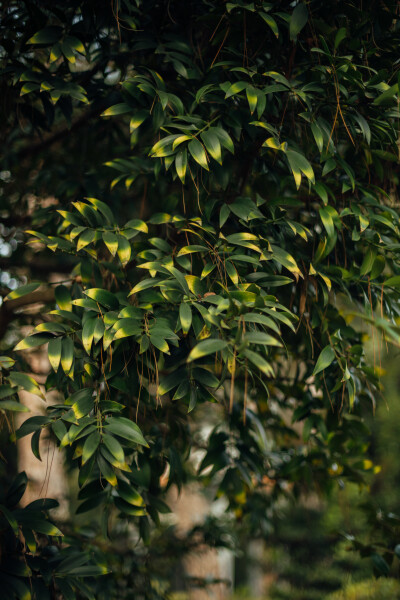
x=9 y=307
x=35 y=265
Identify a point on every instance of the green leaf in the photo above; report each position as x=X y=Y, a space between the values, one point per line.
x=364 y=126
x=84 y=405
x=98 y=330
x=285 y=259
x=63 y=297
x=164 y=146
x=260 y=362
x=54 y=353
x=10 y=518
x=326 y=357
x=181 y=164
x=261 y=319
x=126 y=328
x=6 y=391
x=179 y=140
x=90 y=446
x=368 y=261
x=129 y=494
x=138 y=119
x=129 y=509
x=85 y=239
x=321 y=191
x=206 y=347
x=340 y=35
x=196 y=149
x=48 y=35
x=138 y=225
x=35 y=444
x=124 y=250
x=195 y=285
x=26 y=382
x=117 y=109
x=75 y=43
x=67 y=354
x=6 y=362
x=298 y=20
x=172 y=380
x=23 y=290
x=17 y=489
x=388 y=96
x=393 y=281
x=29 y=87
x=224 y=138
x=145 y=284
x=318 y=136
x=185 y=317
x=205 y=377
x=258 y=337
x=103 y=297
x=86 y=303
x=33 y=341
x=235 y=89
x=13 y=406
x=327 y=221
x=111 y=241
x=299 y=164
x=270 y=21
x=31 y=425
x=378 y=266
x=232 y=273
x=212 y=144
x=88 y=332
x=42 y=526
x=252 y=98
x=114 y=447
x=103 y=208
x=160 y=343
x=125 y=429
x=68 y=52
x=191 y=249
x=209 y=267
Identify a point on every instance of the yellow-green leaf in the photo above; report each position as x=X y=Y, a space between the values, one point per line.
x=67 y=354
x=63 y=297
x=88 y=333
x=206 y=347
x=196 y=149
x=111 y=241
x=86 y=238
x=124 y=250
x=181 y=164
x=212 y=144
x=185 y=317
x=54 y=353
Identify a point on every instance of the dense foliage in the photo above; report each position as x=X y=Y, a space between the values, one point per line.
x=252 y=217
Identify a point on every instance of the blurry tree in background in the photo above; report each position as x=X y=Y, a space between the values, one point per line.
x=198 y=199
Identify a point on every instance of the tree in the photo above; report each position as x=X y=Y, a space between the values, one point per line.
x=253 y=215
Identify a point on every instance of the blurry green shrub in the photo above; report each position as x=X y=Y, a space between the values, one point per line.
x=370 y=589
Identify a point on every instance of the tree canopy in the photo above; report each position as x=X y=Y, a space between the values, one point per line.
x=214 y=186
